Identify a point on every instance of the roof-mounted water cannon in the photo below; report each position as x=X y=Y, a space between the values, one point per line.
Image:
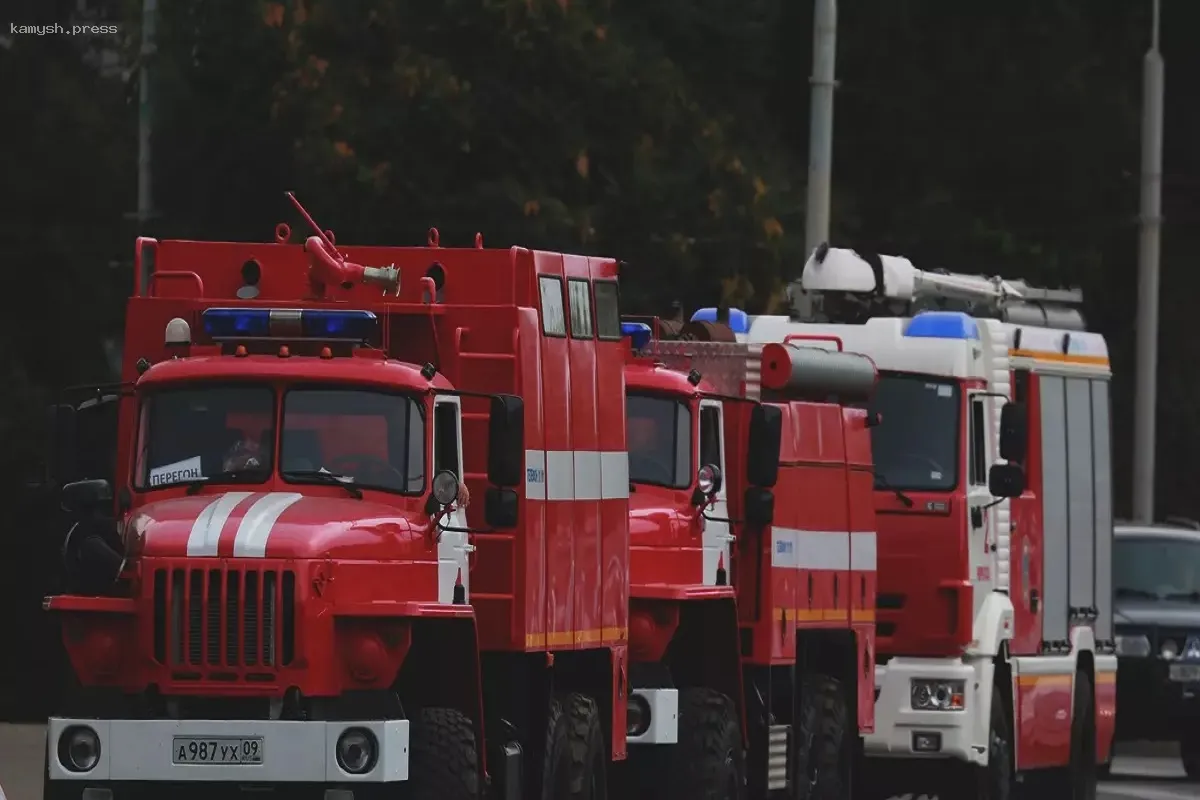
x=327 y=266
x=853 y=287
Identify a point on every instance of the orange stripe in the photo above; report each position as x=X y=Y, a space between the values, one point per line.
x=1062 y=358
x=568 y=638
x=825 y=614
x=1030 y=681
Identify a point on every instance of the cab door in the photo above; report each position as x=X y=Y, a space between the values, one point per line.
x=453 y=546
x=717 y=538
x=981 y=520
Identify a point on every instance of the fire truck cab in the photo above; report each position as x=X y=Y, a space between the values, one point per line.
x=326 y=474
x=752 y=539
x=991 y=446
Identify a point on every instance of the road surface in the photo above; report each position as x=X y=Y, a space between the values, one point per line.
x=1135 y=777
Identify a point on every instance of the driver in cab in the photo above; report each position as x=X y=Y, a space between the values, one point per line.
x=650 y=458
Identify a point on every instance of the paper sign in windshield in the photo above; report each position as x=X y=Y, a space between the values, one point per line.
x=186 y=470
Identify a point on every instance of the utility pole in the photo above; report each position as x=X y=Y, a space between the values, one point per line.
x=1146 y=398
x=145 y=199
x=820 y=137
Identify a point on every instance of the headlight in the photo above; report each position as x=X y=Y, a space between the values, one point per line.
x=79 y=749
x=1133 y=646
x=357 y=751
x=1170 y=650
x=938 y=695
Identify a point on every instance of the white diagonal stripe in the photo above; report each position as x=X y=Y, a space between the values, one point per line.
x=206 y=530
x=255 y=529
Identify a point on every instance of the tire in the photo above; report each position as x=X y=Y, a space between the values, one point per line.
x=709 y=763
x=1189 y=751
x=1083 y=771
x=822 y=753
x=444 y=762
x=576 y=766
x=996 y=780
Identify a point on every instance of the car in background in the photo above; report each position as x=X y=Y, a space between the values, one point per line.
x=1156 y=610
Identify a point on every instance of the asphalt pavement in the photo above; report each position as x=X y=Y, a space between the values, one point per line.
x=1142 y=773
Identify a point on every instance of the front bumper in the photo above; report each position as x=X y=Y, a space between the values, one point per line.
x=898 y=726
x=293 y=751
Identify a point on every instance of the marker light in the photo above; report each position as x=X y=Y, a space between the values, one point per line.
x=942 y=325
x=638 y=332
x=287 y=323
x=738 y=322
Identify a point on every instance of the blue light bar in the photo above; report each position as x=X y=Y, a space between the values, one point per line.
x=237 y=323
x=319 y=323
x=639 y=333
x=739 y=321
x=280 y=323
x=943 y=325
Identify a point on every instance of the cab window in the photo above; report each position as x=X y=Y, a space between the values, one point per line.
x=659 y=441
x=710 y=436
x=445 y=443
x=375 y=438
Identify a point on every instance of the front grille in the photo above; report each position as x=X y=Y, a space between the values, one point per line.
x=224 y=617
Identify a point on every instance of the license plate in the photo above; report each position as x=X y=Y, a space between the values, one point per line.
x=217 y=750
x=1185 y=673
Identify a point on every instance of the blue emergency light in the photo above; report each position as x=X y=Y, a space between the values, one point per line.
x=738 y=322
x=639 y=333
x=942 y=325
x=285 y=323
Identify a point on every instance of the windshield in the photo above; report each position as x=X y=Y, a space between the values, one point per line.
x=214 y=432
x=377 y=438
x=660 y=441
x=916 y=447
x=1157 y=568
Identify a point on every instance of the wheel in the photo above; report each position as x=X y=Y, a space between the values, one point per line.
x=576 y=766
x=822 y=751
x=1189 y=750
x=1083 y=741
x=443 y=761
x=995 y=781
x=709 y=761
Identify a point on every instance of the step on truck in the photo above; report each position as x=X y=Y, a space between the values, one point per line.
x=358 y=517
x=752 y=563
x=996 y=657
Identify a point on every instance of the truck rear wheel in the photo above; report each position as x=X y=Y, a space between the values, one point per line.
x=444 y=763
x=710 y=763
x=576 y=766
x=822 y=752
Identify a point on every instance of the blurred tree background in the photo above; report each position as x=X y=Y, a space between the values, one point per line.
x=981 y=137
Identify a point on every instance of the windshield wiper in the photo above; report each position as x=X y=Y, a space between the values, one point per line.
x=232 y=476
x=323 y=476
x=1125 y=591
x=882 y=483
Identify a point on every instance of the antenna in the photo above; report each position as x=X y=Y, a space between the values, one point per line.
x=864 y=285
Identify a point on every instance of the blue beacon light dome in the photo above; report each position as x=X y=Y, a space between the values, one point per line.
x=638 y=332
x=942 y=325
x=739 y=321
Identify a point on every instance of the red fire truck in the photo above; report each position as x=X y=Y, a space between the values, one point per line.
x=752 y=535
x=996 y=655
x=297 y=591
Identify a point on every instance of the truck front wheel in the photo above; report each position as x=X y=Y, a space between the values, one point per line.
x=822 y=751
x=709 y=761
x=576 y=766
x=443 y=764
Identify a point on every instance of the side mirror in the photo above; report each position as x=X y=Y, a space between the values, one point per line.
x=760 y=507
x=1006 y=480
x=500 y=508
x=1014 y=432
x=762 y=451
x=84 y=496
x=61 y=441
x=506 y=441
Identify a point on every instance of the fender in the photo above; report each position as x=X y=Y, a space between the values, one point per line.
x=993 y=626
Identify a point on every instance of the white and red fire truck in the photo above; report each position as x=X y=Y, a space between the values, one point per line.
x=752 y=539
x=285 y=585
x=991 y=444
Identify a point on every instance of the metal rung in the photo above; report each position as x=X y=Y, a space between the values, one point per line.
x=777 y=756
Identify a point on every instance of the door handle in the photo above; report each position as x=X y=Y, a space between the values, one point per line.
x=1033 y=600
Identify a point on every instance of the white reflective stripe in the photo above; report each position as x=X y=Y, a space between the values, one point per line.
x=206 y=530
x=576 y=475
x=255 y=528
x=560 y=475
x=795 y=549
x=587 y=475
x=862 y=551
x=535 y=474
x=614 y=475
